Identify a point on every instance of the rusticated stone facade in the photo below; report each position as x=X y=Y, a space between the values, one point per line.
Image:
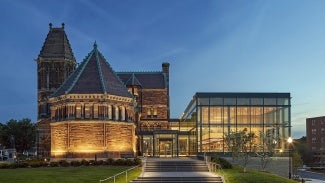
x=85 y=139
x=155 y=98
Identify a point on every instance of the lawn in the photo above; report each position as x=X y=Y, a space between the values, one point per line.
x=236 y=175
x=69 y=174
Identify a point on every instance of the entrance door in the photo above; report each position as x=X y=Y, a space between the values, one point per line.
x=165 y=148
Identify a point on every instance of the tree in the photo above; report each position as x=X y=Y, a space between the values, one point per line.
x=19 y=134
x=241 y=143
x=301 y=147
x=296 y=161
x=266 y=148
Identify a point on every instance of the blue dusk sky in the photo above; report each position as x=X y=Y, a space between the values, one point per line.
x=212 y=46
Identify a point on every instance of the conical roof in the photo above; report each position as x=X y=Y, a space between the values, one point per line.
x=57 y=45
x=93 y=76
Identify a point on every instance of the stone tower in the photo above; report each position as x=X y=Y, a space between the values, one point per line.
x=54 y=64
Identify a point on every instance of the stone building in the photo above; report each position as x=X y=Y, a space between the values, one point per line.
x=91 y=110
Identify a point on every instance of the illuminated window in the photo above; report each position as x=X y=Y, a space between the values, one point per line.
x=152 y=112
x=87 y=111
x=95 y=110
x=78 y=111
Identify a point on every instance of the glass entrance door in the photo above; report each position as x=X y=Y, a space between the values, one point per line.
x=165 y=147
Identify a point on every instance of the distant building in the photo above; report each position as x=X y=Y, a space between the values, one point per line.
x=316 y=138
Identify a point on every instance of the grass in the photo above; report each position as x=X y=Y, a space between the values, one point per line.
x=236 y=175
x=62 y=175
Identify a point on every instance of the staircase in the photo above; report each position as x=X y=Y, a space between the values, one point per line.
x=178 y=170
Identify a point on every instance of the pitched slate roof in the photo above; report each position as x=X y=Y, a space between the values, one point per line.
x=57 y=45
x=93 y=76
x=148 y=80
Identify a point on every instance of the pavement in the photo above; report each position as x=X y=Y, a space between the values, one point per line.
x=314 y=181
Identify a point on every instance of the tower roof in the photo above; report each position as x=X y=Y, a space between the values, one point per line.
x=93 y=76
x=57 y=45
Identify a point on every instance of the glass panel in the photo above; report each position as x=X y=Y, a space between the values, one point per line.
x=230 y=101
x=205 y=115
x=282 y=101
x=256 y=115
x=269 y=116
x=216 y=139
x=215 y=115
x=256 y=101
x=183 y=145
x=203 y=101
x=205 y=139
x=216 y=101
x=243 y=101
x=243 y=115
x=229 y=119
x=269 y=101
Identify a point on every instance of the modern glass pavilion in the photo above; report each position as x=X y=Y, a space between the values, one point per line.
x=211 y=116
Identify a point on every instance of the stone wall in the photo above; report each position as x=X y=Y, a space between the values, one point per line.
x=155 y=98
x=87 y=139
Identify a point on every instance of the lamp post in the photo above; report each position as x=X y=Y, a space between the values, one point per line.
x=290 y=142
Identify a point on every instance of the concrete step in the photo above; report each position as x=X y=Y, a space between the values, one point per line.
x=178 y=179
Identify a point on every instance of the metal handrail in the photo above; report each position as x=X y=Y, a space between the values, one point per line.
x=126 y=175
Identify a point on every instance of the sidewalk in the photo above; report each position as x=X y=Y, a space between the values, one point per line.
x=314 y=181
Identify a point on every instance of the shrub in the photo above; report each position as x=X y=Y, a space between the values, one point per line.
x=84 y=162
x=35 y=164
x=129 y=162
x=54 y=164
x=223 y=162
x=109 y=161
x=64 y=163
x=137 y=161
x=100 y=162
x=75 y=163
x=92 y=162
x=4 y=165
x=23 y=164
x=119 y=162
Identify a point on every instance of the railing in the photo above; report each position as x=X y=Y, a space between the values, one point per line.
x=114 y=176
x=144 y=166
x=213 y=166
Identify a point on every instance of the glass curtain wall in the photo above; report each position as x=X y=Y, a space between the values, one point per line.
x=265 y=115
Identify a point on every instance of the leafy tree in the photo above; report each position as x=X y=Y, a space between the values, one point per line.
x=241 y=143
x=19 y=134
